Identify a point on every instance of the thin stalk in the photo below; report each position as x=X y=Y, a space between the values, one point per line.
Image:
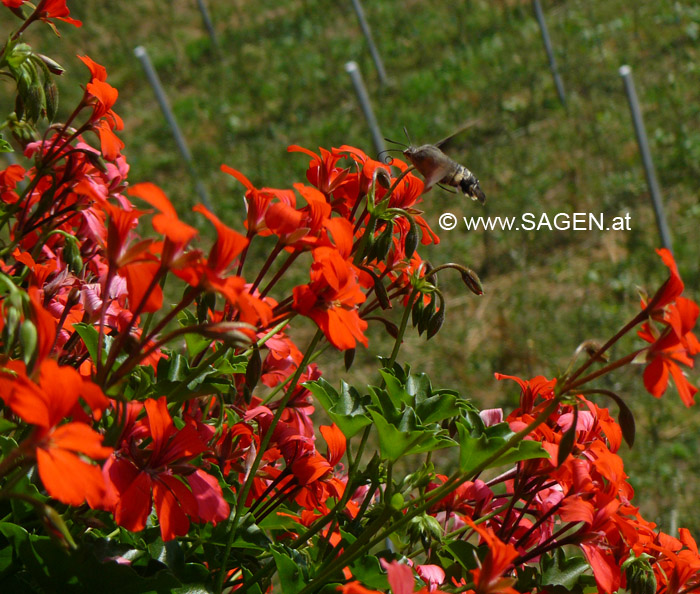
x=435 y=495
x=265 y=441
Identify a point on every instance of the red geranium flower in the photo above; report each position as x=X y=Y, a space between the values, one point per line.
x=159 y=473
x=331 y=299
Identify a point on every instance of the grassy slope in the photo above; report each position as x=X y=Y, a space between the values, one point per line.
x=280 y=80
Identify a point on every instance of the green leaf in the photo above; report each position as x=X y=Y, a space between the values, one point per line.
x=290 y=574
x=6 y=425
x=395 y=389
x=346 y=409
x=463 y=553
x=367 y=570
x=404 y=438
x=90 y=337
x=438 y=408
x=562 y=571
x=5 y=147
x=475 y=450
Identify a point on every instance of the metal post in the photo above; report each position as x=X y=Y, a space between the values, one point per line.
x=208 y=24
x=370 y=41
x=642 y=141
x=377 y=138
x=141 y=53
x=550 y=52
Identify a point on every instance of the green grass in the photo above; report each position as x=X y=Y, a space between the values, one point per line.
x=279 y=80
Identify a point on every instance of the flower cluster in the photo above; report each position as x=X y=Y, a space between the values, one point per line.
x=141 y=431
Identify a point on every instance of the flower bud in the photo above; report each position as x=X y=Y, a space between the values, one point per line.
x=349 y=356
x=57 y=528
x=253 y=370
x=52 y=66
x=51 y=98
x=9 y=330
x=436 y=321
x=28 y=338
x=383 y=178
x=411 y=241
x=640 y=575
x=470 y=278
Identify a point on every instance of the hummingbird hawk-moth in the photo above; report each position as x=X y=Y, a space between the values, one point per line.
x=437 y=168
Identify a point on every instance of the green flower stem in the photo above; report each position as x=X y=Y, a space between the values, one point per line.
x=351 y=552
x=402 y=328
x=570 y=384
x=243 y=494
x=640 y=317
x=123 y=335
x=478 y=521
x=364 y=240
x=273 y=281
x=266 y=266
x=433 y=497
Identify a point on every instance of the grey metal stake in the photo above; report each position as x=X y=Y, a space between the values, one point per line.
x=364 y=25
x=208 y=24
x=377 y=138
x=141 y=53
x=649 y=171
x=550 y=52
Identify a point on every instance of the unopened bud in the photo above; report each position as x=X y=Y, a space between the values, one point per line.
x=35 y=102
x=470 y=278
x=383 y=178
x=436 y=322
x=411 y=241
x=9 y=330
x=349 y=357
x=230 y=333
x=57 y=528
x=253 y=370
x=51 y=97
x=640 y=575
x=28 y=338
x=53 y=66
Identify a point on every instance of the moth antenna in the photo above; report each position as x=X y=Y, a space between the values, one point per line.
x=405 y=131
x=395 y=142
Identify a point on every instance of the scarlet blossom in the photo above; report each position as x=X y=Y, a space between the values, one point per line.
x=9 y=178
x=312 y=472
x=531 y=389
x=323 y=172
x=153 y=468
x=488 y=578
x=55 y=9
x=258 y=201
x=104 y=119
x=664 y=356
x=331 y=299
x=676 y=344
x=177 y=233
x=60 y=450
x=355 y=587
x=674 y=286
x=228 y=245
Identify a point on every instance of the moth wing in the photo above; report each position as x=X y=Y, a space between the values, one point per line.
x=446 y=141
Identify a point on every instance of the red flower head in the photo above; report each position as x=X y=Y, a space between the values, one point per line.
x=331 y=299
x=159 y=472
x=60 y=449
